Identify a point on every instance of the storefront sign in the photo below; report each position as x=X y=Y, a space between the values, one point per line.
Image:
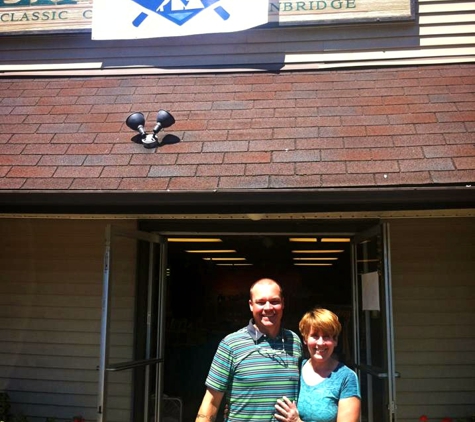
x=127 y=20
x=314 y=12
x=17 y=16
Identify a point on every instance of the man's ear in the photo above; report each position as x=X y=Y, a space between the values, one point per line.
x=250 y=305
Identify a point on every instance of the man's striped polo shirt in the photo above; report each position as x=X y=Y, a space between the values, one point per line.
x=255 y=370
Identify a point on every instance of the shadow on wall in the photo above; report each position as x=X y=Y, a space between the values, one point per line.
x=263 y=48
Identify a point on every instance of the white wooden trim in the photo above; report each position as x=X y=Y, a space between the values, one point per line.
x=448 y=29
x=447 y=7
x=373 y=55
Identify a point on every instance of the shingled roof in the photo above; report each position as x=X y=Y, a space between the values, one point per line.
x=408 y=126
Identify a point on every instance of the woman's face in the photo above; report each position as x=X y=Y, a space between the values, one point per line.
x=320 y=345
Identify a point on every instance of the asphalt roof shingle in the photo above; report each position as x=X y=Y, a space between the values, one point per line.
x=368 y=127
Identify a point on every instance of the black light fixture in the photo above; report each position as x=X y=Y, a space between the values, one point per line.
x=136 y=121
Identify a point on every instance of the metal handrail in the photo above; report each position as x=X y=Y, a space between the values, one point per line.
x=132 y=364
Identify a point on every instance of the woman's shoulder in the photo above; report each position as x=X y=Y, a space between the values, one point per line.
x=344 y=370
x=348 y=380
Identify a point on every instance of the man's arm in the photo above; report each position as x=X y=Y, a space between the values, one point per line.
x=209 y=406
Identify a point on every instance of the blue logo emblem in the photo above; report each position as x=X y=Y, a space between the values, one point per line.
x=178 y=11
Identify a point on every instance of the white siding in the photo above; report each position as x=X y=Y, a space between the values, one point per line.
x=433 y=267
x=50 y=314
x=442 y=33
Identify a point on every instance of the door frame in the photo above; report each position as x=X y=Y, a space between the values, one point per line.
x=160 y=237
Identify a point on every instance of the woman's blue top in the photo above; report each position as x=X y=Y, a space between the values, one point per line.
x=319 y=403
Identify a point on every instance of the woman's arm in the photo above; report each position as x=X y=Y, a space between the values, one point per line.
x=349 y=410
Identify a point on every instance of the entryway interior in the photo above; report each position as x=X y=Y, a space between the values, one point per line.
x=208 y=280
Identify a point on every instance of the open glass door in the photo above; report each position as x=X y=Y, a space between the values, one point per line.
x=374 y=345
x=132 y=329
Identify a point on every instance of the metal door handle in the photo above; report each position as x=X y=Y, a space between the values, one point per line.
x=376 y=372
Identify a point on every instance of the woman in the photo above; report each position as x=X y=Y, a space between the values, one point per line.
x=329 y=390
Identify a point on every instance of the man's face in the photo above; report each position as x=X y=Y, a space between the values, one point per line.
x=267 y=307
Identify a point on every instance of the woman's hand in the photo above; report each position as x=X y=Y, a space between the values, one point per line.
x=286 y=410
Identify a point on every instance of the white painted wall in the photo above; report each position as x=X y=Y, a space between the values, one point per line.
x=433 y=269
x=50 y=317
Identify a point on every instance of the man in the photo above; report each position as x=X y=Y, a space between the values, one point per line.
x=255 y=365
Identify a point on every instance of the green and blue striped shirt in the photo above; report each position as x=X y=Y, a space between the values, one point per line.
x=255 y=370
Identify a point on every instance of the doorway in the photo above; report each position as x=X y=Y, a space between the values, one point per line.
x=192 y=289
x=208 y=292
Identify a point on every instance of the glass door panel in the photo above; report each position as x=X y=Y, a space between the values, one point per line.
x=131 y=361
x=374 y=328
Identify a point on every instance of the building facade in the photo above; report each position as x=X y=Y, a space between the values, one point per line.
x=360 y=133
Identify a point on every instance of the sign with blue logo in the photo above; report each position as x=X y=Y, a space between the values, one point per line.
x=129 y=19
x=157 y=18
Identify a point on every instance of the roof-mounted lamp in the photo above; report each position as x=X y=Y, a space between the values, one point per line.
x=136 y=121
